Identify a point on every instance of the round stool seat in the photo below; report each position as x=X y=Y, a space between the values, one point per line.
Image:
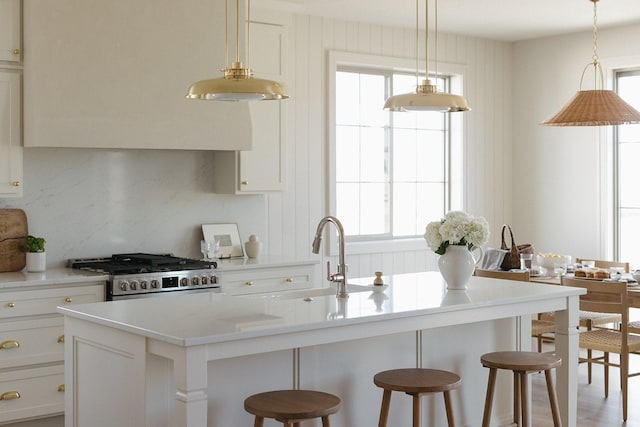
x=528 y=361
x=291 y=405
x=417 y=380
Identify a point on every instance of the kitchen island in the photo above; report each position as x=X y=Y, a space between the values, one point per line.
x=189 y=361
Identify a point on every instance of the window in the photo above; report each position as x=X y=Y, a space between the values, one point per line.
x=393 y=171
x=627 y=153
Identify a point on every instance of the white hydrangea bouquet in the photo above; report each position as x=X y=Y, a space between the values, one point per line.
x=457 y=228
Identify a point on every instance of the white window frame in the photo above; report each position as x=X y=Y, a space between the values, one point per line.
x=456 y=73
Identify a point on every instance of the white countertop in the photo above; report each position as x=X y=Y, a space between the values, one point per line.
x=54 y=276
x=205 y=318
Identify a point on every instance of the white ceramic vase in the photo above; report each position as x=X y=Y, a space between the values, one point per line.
x=36 y=261
x=253 y=246
x=456 y=266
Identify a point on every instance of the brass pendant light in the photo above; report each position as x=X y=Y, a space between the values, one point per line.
x=238 y=83
x=598 y=107
x=426 y=96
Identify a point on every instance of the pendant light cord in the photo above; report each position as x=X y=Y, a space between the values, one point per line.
x=226 y=33
x=595 y=43
x=237 y=30
x=248 y=33
x=417 y=46
x=426 y=40
x=436 y=42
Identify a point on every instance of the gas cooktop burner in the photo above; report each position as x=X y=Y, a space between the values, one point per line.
x=139 y=263
x=140 y=275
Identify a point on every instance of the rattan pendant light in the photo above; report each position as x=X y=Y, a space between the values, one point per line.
x=238 y=83
x=598 y=107
x=426 y=96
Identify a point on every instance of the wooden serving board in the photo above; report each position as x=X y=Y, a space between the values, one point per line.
x=13 y=231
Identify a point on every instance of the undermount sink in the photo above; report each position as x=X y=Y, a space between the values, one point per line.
x=320 y=292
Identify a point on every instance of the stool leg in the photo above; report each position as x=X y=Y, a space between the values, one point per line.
x=384 y=409
x=325 y=421
x=491 y=384
x=447 y=406
x=258 y=421
x=517 y=414
x=524 y=398
x=416 y=410
x=606 y=375
x=553 y=399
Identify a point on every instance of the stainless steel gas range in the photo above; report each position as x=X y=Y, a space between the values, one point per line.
x=140 y=275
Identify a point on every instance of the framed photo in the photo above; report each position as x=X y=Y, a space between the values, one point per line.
x=228 y=236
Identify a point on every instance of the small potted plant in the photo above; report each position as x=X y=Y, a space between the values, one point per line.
x=36 y=256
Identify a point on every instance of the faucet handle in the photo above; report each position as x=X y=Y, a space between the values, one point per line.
x=329 y=275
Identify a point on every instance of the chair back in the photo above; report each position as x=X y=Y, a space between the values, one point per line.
x=603 y=297
x=605 y=264
x=522 y=276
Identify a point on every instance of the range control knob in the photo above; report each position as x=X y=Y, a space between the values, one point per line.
x=213 y=280
x=184 y=281
x=133 y=285
x=204 y=280
x=154 y=284
x=195 y=281
x=143 y=284
x=123 y=285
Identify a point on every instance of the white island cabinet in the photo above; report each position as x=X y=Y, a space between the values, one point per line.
x=190 y=361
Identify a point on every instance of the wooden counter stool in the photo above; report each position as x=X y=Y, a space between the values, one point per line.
x=521 y=363
x=292 y=406
x=416 y=382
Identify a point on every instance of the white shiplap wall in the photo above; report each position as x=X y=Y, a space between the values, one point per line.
x=294 y=214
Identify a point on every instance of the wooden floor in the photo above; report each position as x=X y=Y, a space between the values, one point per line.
x=594 y=410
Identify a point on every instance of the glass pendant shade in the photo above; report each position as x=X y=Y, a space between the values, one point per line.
x=598 y=107
x=238 y=83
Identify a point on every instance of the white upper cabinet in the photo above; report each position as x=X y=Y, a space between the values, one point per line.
x=114 y=74
x=10 y=134
x=262 y=168
x=10 y=31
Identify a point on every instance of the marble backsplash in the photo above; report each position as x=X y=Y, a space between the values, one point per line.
x=89 y=202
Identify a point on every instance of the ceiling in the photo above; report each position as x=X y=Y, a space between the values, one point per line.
x=507 y=20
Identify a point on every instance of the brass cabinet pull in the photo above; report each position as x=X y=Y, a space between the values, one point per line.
x=61 y=388
x=61 y=338
x=16 y=51
x=10 y=395
x=244 y=182
x=11 y=304
x=9 y=344
x=15 y=183
x=68 y=299
x=289 y=279
x=248 y=282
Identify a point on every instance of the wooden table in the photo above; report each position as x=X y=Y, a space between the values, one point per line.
x=633 y=291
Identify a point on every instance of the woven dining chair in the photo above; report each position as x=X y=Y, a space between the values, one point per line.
x=539 y=327
x=608 y=297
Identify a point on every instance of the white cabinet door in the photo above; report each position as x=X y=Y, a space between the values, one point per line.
x=10 y=133
x=262 y=168
x=10 y=31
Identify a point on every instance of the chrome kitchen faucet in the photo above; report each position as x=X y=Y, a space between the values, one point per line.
x=341 y=276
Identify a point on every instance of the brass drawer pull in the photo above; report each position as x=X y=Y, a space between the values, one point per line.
x=61 y=388
x=11 y=304
x=248 y=282
x=16 y=51
x=10 y=395
x=68 y=299
x=289 y=279
x=15 y=183
x=61 y=338
x=9 y=344
x=244 y=182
